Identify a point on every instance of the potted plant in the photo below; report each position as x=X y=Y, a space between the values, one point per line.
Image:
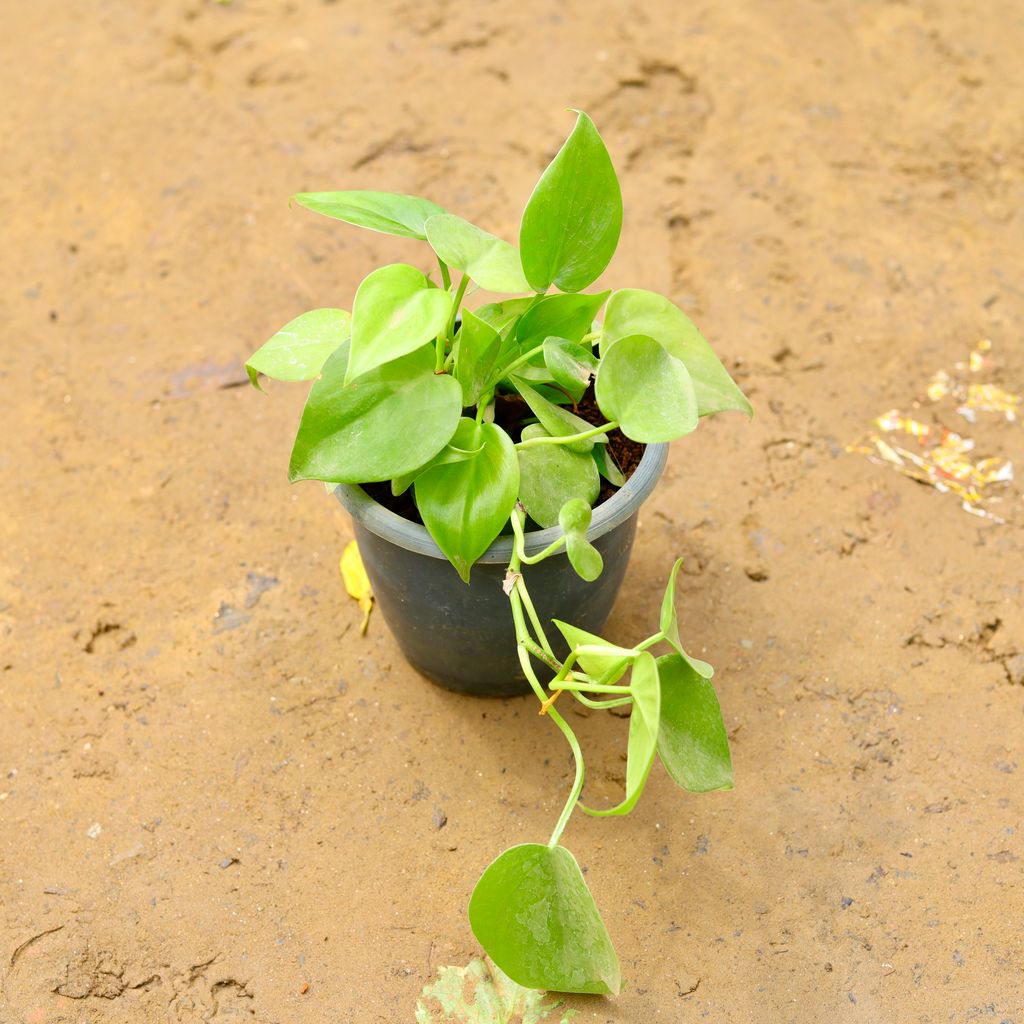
x=476 y=447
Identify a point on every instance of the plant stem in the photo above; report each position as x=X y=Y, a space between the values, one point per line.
x=565 y=684
x=456 y=303
x=568 y=438
x=481 y=406
x=524 y=358
x=599 y=705
x=540 y=654
x=446 y=278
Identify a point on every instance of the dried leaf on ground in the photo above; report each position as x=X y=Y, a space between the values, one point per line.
x=356 y=581
x=480 y=993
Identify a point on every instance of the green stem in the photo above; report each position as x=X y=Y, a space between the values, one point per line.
x=540 y=654
x=564 y=684
x=568 y=438
x=446 y=278
x=481 y=406
x=524 y=358
x=457 y=302
x=601 y=705
x=574 y=746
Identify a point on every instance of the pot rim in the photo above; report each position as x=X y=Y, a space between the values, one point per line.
x=414 y=537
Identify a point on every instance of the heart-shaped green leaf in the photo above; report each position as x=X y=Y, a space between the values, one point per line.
x=607 y=669
x=389 y=421
x=574 y=519
x=550 y=474
x=572 y=221
x=491 y=262
x=669 y=624
x=572 y=366
x=558 y=422
x=560 y=316
x=643 y=733
x=536 y=919
x=388 y=212
x=299 y=350
x=465 y=504
x=646 y=390
x=396 y=311
x=692 y=740
x=635 y=311
x=477 y=353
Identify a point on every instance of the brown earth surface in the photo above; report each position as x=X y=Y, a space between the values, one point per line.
x=217 y=800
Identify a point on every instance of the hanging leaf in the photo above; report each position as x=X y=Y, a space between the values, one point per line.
x=647 y=391
x=634 y=311
x=387 y=422
x=558 y=422
x=692 y=741
x=388 y=212
x=574 y=519
x=396 y=311
x=572 y=221
x=465 y=504
x=299 y=350
x=669 y=624
x=481 y=993
x=491 y=262
x=536 y=919
x=550 y=474
x=357 y=583
x=643 y=733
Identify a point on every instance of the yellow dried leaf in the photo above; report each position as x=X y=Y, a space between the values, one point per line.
x=356 y=581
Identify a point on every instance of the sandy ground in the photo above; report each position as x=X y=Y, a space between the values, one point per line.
x=214 y=793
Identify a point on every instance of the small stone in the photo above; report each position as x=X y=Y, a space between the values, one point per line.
x=440 y=819
x=94 y=830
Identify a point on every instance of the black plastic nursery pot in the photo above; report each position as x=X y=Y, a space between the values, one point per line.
x=462 y=636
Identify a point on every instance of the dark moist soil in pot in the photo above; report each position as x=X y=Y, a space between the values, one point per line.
x=512 y=413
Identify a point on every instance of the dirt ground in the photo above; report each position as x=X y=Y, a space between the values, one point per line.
x=214 y=793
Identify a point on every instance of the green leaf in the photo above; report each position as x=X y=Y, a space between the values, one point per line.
x=561 y=316
x=606 y=465
x=465 y=504
x=571 y=224
x=503 y=314
x=635 y=311
x=571 y=366
x=669 y=624
x=643 y=733
x=607 y=669
x=481 y=993
x=558 y=422
x=477 y=353
x=646 y=390
x=299 y=350
x=491 y=262
x=692 y=740
x=396 y=311
x=536 y=919
x=574 y=520
x=388 y=212
x=387 y=422
x=550 y=474
x=447 y=455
